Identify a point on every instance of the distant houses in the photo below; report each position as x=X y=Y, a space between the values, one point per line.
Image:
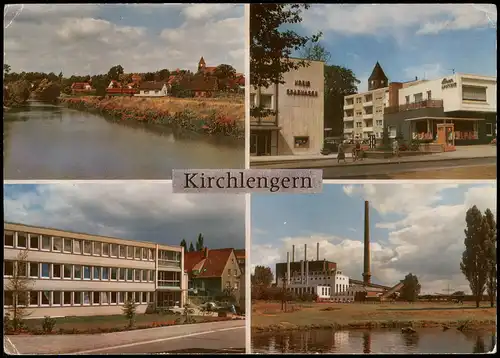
x=81 y=88
x=152 y=89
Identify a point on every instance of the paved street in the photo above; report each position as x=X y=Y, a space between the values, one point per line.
x=216 y=336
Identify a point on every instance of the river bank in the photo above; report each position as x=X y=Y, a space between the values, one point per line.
x=268 y=317
x=208 y=116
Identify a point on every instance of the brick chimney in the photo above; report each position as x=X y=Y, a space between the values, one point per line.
x=205 y=252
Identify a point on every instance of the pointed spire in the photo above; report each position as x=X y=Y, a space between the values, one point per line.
x=202 y=61
x=377 y=79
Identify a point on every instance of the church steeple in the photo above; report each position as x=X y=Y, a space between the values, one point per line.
x=201 y=64
x=377 y=79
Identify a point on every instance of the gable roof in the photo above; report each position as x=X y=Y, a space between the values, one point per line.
x=377 y=73
x=210 y=266
x=240 y=253
x=79 y=85
x=151 y=85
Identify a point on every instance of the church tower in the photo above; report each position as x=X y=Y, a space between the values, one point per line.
x=201 y=64
x=377 y=79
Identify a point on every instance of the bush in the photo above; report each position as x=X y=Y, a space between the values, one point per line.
x=48 y=324
x=7 y=323
x=129 y=310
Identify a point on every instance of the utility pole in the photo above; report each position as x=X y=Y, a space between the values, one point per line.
x=284 y=294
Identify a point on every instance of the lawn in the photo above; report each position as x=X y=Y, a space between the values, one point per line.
x=268 y=315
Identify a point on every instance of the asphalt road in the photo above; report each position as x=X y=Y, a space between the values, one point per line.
x=380 y=171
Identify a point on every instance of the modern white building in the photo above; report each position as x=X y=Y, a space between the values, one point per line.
x=467 y=101
x=73 y=274
x=296 y=127
x=364 y=112
x=325 y=284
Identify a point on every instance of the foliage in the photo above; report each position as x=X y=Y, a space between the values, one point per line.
x=386 y=141
x=191 y=247
x=411 y=288
x=184 y=244
x=178 y=91
x=20 y=285
x=262 y=276
x=6 y=69
x=47 y=91
x=130 y=310
x=223 y=72
x=491 y=280
x=199 y=243
x=475 y=263
x=48 y=324
x=17 y=93
x=316 y=52
x=115 y=72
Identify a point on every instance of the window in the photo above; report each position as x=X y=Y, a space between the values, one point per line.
x=137 y=253
x=358 y=100
x=97 y=298
x=34 y=301
x=114 y=250
x=105 y=249
x=130 y=252
x=57 y=244
x=113 y=297
x=252 y=99
x=236 y=286
x=130 y=274
x=34 y=242
x=34 y=269
x=301 y=142
x=489 y=129
x=77 y=298
x=67 y=270
x=105 y=273
x=97 y=249
x=120 y=296
x=22 y=240
x=67 y=298
x=77 y=269
x=122 y=250
x=229 y=272
x=144 y=298
x=137 y=275
x=87 y=247
x=45 y=271
x=77 y=246
x=56 y=271
x=152 y=275
x=359 y=113
x=429 y=95
x=45 y=298
x=67 y=243
x=86 y=298
x=56 y=298
x=150 y=254
x=86 y=272
x=144 y=275
x=146 y=92
x=114 y=274
x=21 y=268
x=407 y=99
x=378 y=123
x=121 y=274
x=97 y=273
x=8 y=267
x=266 y=101
x=104 y=298
x=144 y=254
x=8 y=238
x=473 y=93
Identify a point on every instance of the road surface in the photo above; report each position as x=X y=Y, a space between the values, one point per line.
x=226 y=336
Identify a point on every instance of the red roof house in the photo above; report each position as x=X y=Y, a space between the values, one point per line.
x=81 y=87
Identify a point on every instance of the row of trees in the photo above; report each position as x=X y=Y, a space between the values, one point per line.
x=199 y=244
x=271 y=49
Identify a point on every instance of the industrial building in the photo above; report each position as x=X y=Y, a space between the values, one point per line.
x=73 y=274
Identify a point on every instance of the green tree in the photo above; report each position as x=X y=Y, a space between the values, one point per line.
x=271 y=47
x=411 y=288
x=48 y=91
x=199 y=243
x=386 y=141
x=491 y=280
x=191 y=247
x=60 y=77
x=224 y=72
x=17 y=93
x=475 y=259
x=184 y=244
x=19 y=285
x=129 y=311
x=262 y=276
x=115 y=72
x=316 y=52
x=6 y=69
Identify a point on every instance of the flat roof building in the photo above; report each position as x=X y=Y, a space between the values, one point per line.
x=74 y=274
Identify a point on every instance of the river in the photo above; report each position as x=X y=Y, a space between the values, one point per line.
x=426 y=340
x=43 y=141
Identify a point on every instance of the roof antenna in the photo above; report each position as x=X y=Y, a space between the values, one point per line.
x=453 y=71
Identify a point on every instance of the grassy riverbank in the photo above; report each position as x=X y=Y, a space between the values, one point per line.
x=268 y=317
x=205 y=115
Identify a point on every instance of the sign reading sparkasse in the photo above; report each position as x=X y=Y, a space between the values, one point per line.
x=448 y=83
x=302 y=91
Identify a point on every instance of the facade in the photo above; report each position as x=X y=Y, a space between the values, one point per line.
x=364 y=112
x=325 y=284
x=296 y=126
x=75 y=274
x=152 y=89
x=466 y=101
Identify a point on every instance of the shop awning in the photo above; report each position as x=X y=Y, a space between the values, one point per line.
x=264 y=127
x=445 y=118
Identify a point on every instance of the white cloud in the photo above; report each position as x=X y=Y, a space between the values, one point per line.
x=426 y=241
x=143 y=211
x=83 y=39
x=385 y=19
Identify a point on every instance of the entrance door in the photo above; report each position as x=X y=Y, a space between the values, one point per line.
x=264 y=143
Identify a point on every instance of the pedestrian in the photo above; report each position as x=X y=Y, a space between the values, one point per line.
x=395 y=148
x=341 y=153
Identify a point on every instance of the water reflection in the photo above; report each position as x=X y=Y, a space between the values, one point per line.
x=374 y=341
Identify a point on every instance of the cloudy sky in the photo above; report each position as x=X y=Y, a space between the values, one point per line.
x=137 y=211
x=415 y=228
x=90 y=39
x=408 y=40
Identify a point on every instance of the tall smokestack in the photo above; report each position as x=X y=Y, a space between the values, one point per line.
x=287 y=268
x=366 y=267
x=305 y=252
x=301 y=271
x=293 y=253
x=307 y=273
x=317 y=251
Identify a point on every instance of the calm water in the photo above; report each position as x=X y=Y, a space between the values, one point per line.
x=44 y=141
x=382 y=341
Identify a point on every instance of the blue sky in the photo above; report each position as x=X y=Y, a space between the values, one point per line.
x=136 y=211
x=412 y=226
x=423 y=40
x=91 y=38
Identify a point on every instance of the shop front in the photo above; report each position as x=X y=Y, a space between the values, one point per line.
x=264 y=140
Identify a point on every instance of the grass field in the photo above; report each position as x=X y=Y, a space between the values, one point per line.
x=484 y=172
x=267 y=316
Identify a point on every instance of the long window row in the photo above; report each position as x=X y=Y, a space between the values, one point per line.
x=78 y=298
x=22 y=240
x=77 y=272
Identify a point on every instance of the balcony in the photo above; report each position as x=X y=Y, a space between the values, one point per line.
x=349 y=106
x=368 y=103
x=430 y=103
x=348 y=119
x=367 y=129
x=368 y=116
x=349 y=130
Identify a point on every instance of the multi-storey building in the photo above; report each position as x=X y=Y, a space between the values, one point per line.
x=364 y=112
x=73 y=274
x=296 y=125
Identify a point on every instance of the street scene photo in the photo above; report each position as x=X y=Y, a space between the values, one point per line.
x=122 y=91
x=374 y=91
x=375 y=268
x=111 y=268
